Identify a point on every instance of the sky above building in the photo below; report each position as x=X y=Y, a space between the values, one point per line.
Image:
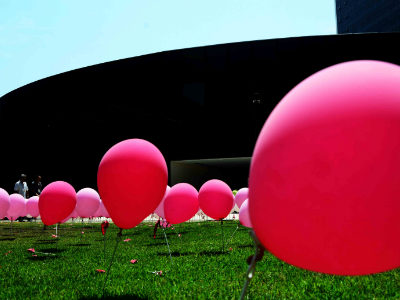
x=41 y=38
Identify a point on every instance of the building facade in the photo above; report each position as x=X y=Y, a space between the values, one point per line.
x=196 y=105
x=361 y=16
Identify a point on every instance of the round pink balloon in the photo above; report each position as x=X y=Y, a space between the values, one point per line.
x=87 y=202
x=132 y=179
x=216 y=199
x=241 y=196
x=17 y=206
x=32 y=206
x=99 y=212
x=56 y=202
x=160 y=208
x=74 y=214
x=244 y=216
x=324 y=180
x=181 y=203
x=4 y=203
x=105 y=211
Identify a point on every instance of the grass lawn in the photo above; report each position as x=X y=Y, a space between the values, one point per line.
x=200 y=270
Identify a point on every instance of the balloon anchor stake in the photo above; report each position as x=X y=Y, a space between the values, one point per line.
x=119 y=236
x=252 y=260
x=169 y=251
x=223 y=238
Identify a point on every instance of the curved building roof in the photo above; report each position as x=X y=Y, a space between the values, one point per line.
x=204 y=102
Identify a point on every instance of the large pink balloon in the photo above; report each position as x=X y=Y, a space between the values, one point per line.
x=241 y=196
x=17 y=206
x=181 y=203
x=87 y=202
x=132 y=179
x=216 y=199
x=32 y=206
x=160 y=208
x=4 y=203
x=56 y=202
x=244 y=216
x=324 y=179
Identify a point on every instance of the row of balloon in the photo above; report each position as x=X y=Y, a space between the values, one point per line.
x=88 y=205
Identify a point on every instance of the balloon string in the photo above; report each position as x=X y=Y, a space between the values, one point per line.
x=258 y=255
x=11 y=226
x=237 y=227
x=223 y=238
x=56 y=229
x=169 y=251
x=105 y=232
x=119 y=235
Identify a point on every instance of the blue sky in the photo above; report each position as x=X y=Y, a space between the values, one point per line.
x=40 y=38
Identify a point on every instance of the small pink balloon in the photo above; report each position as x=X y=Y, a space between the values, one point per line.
x=181 y=203
x=87 y=202
x=244 y=216
x=160 y=208
x=216 y=199
x=4 y=203
x=241 y=196
x=32 y=206
x=56 y=202
x=17 y=206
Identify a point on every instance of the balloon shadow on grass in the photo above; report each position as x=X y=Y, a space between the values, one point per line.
x=175 y=253
x=51 y=250
x=245 y=246
x=211 y=253
x=156 y=244
x=120 y=297
x=8 y=239
x=42 y=258
x=46 y=242
x=80 y=245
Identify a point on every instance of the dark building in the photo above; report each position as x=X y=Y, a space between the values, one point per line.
x=202 y=107
x=358 y=16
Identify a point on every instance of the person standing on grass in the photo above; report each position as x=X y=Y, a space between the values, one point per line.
x=36 y=186
x=21 y=187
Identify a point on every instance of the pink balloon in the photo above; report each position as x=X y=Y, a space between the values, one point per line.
x=4 y=203
x=87 y=202
x=181 y=203
x=32 y=206
x=74 y=214
x=132 y=179
x=241 y=196
x=216 y=199
x=56 y=202
x=105 y=211
x=99 y=212
x=244 y=216
x=160 y=208
x=17 y=206
x=324 y=180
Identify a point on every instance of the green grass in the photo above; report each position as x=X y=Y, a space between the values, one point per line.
x=199 y=270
